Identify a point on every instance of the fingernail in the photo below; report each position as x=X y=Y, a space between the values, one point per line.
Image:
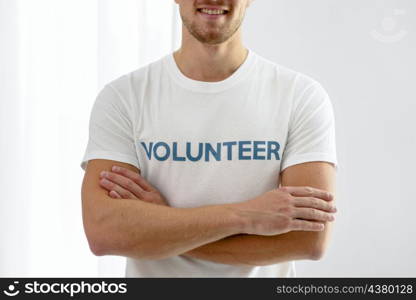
x=103 y=173
x=115 y=168
x=332 y=218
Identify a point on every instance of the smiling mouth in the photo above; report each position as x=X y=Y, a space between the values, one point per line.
x=208 y=11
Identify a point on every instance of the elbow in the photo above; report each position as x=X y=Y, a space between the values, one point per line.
x=317 y=252
x=95 y=242
x=95 y=238
x=92 y=219
x=104 y=239
x=96 y=248
x=100 y=236
x=318 y=244
x=101 y=244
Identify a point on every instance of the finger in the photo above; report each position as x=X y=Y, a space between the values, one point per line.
x=307 y=191
x=312 y=214
x=125 y=194
x=111 y=186
x=124 y=182
x=136 y=177
x=114 y=194
x=314 y=203
x=302 y=225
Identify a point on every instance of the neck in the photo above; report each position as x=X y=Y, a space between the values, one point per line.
x=205 y=62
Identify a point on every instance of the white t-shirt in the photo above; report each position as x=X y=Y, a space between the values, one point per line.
x=202 y=143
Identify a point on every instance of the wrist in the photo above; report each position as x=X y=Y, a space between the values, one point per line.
x=240 y=220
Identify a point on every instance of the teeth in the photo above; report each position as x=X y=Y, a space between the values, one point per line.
x=213 y=11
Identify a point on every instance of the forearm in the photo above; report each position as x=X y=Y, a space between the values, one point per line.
x=257 y=250
x=142 y=230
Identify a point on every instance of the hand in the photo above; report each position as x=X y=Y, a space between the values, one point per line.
x=124 y=183
x=287 y=209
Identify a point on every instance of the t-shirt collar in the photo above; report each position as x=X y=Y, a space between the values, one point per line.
x=209 y=87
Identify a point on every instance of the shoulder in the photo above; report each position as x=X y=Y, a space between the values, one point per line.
x=125 y=89
x=304 y=93
x=137 y=77
x=294 y=81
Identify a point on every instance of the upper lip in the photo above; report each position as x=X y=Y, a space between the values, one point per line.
x=212 y=7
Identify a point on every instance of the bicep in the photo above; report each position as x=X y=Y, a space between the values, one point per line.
x=317 y=174
x=92 y=194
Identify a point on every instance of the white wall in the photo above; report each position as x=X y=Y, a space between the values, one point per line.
x=55 y=55
x=363 y=52
x=11 y=135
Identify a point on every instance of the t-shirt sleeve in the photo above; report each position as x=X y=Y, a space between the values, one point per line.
x=110 y=130
x=311 y=134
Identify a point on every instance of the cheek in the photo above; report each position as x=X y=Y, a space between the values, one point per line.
x=237 y=12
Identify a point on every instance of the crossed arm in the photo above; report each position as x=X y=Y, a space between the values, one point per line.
x=229 y=247
x=294 y=245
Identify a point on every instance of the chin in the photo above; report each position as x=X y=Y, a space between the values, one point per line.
x=212 y=39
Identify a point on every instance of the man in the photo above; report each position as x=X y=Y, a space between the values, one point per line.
x=185 y=157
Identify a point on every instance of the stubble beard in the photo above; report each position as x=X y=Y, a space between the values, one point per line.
x=212 y=37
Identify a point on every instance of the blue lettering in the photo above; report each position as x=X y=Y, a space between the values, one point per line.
x=241 y=149
x=175 y=153
x=229 y=146
x=273 y=147
x=188 y=152
x=148 y=151
x=209 y=148
x=167 y=149
x=257 y=150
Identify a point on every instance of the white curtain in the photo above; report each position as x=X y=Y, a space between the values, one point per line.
x=55 y=55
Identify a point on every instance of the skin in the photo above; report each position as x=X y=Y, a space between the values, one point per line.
x=143 y=230
x=211 y=50
x=287 y=223
x=252 y=250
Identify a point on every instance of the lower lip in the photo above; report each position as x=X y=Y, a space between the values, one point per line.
x=208 y=16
